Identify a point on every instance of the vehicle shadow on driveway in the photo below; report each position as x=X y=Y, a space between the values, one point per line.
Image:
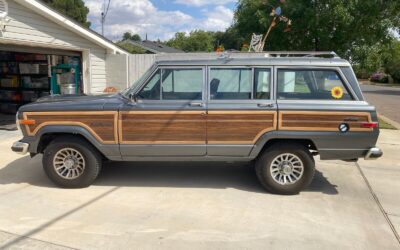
x=215 y=175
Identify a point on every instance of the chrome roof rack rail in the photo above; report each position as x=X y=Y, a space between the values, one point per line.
x=230 y=55
x=326 y=54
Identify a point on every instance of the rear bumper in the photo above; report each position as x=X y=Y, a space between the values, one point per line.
x=373 y=153
x=20 y=147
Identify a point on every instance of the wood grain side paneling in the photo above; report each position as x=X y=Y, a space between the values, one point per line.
x=163 y=127
x=239 y=127
x=322 y=121
x=102 y=124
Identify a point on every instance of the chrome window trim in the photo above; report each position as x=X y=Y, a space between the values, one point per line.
x=336 y=69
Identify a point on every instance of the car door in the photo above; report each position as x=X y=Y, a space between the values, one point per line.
x=240 y=109
x=169 y=116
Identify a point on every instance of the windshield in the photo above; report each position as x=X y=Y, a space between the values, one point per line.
x=130 y=90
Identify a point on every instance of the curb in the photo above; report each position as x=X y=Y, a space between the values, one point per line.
x=381 y=84
x=390 y=121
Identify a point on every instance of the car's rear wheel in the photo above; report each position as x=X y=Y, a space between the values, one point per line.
x=71 y=162
x=285 y=168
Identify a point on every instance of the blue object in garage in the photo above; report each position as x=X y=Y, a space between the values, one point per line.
x=69 y=77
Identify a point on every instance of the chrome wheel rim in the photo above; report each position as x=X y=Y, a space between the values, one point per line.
x=286 y=169
x=69 y=163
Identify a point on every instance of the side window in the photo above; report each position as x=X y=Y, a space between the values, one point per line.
x=177 y=84
x=182 y=84
x=315 y=84
x=262 y=83
x=230 y=84
x=152 y=89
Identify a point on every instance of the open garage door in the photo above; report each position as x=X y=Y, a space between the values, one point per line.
x=28 y=73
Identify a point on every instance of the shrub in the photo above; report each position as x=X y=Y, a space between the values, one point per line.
x=379 y=77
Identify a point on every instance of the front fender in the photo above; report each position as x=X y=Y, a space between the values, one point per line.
x=109 y=151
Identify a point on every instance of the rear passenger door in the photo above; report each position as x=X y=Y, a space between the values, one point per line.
x=240 y=109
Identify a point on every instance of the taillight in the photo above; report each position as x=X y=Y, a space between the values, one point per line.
x=369 y=124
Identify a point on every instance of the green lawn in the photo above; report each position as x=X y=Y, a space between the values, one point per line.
x=385 y=125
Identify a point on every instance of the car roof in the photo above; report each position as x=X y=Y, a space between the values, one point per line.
x=249 y=59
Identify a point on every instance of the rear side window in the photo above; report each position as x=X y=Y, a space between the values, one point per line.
x=299 y=84
x=230 y=84
x=240 y=83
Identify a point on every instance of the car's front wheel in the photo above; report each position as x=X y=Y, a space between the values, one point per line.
x=285 y=168
x=71 y=162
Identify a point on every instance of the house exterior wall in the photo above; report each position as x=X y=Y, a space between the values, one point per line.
x=25 y=27
x=116 y=70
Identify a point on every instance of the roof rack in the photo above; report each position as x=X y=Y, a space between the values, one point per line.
x=245 y=55
x=325 y=54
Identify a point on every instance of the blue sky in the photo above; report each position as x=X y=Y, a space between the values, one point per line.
x=161 y=19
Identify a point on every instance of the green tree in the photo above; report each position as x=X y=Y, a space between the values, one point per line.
x=391 y=60
x=130 y=36
x=195 y=41
x=131 y=48
x=75 y=9
x=336 y=25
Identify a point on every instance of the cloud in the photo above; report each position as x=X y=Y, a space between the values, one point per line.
x=218 y=19
x=141 y=17
x=203 y=2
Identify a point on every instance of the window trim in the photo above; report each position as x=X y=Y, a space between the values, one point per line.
x=252 y=100
x=335 y=69
x=146 y=81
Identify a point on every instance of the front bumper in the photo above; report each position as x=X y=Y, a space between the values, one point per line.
x=373 y=153
x=20 y=147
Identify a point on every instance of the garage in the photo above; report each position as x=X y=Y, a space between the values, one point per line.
x=43 y=52
x=28 y=74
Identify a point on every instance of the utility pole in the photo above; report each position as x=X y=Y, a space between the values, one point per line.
x=104 y=15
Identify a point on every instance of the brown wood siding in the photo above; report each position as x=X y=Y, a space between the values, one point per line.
x=239 y=127
x=102 y=125
x=163 y=127
x=322 y=121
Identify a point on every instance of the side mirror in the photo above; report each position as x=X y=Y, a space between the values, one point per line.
x=133 y=97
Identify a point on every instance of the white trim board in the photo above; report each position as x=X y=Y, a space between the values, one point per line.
x=56 y=17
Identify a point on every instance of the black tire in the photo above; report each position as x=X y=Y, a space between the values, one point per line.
x=92 y=162
x=264 y=163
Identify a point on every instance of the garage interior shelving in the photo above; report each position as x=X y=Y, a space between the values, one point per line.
x=24 y=77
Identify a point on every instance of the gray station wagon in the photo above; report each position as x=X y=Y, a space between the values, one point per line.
x=276 y=109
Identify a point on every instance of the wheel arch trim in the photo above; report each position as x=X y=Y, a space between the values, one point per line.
x=106 y=150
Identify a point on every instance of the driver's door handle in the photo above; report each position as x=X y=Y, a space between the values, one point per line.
x=196 y=104
x=265 y=105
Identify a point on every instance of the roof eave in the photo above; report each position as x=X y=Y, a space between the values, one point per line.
x=41 y=8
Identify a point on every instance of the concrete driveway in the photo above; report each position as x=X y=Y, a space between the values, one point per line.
x=200 y=206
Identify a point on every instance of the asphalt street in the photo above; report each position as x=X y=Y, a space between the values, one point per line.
x=385 y=99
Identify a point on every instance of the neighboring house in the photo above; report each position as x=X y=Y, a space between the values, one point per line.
x=33 y=33
x=153 y=47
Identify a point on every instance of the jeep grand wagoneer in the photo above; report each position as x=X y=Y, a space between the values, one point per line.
x=278 y=110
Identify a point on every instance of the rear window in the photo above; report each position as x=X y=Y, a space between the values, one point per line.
x=299 y=84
